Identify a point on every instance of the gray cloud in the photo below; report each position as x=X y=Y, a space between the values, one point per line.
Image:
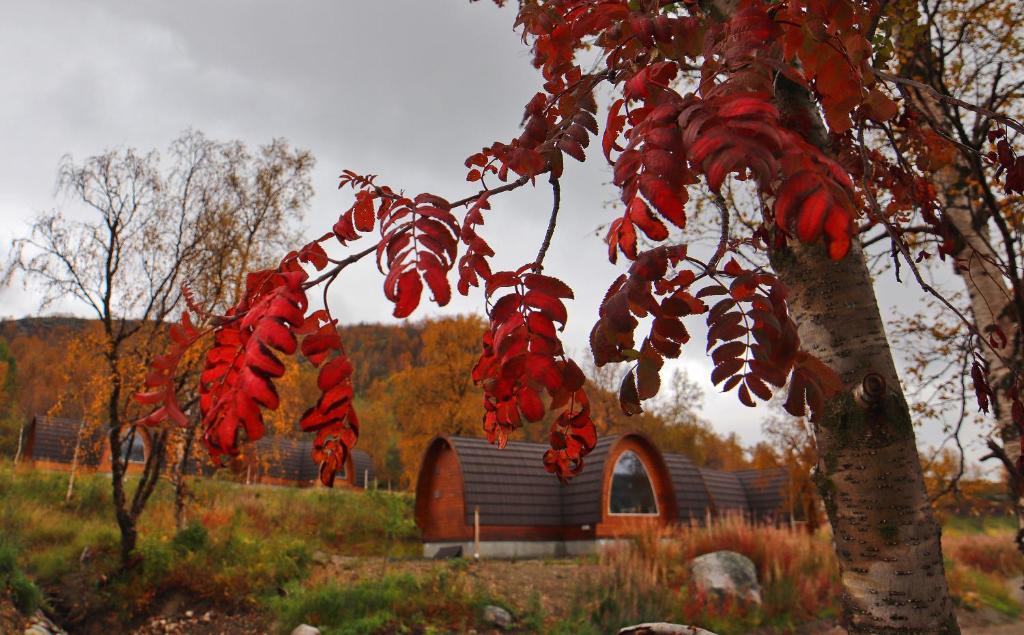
x=404 y=88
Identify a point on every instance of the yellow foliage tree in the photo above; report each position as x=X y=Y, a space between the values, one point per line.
x=437 y=395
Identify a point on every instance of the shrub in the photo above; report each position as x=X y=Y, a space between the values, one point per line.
x=23 y=592
x=157 y=561
x=194 y=537
x=990 y=553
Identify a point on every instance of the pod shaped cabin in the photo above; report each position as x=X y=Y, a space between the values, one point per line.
x=56 y=443
x=522 y=511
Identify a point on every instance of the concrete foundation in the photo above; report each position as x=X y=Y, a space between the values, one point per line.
x=522 y=549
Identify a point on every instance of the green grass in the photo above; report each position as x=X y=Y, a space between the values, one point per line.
x=437 y=603
x=256 y=547
x=242 y=543
x=978 y=525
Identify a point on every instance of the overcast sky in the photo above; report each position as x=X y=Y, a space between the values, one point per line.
x=402 y=88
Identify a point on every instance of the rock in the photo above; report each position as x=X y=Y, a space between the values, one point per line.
x=306 y=629
x=497 y=616
x=320 y=557
x=663 y=628
x=189 y=613
x=727 y=574
x=42 y=625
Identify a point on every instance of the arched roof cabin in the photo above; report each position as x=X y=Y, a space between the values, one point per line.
x=51 y=442
x=467 y=484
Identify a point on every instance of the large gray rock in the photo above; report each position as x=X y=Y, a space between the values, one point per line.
x=726 y=574
x=306 y=629
x=497 y=616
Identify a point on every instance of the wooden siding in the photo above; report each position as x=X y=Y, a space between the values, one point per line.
x=49 y=443
x=440 y=503
x=692 y=498
x=359 y=469
x=582 y=495
x=52 y=440
x=283 y=460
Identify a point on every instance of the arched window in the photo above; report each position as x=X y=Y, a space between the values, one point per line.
x=631 y=491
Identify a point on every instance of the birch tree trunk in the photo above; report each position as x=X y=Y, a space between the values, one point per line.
x=74 y=464
x=868 y=473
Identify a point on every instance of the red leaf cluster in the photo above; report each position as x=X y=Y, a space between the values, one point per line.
x=163 y=371
x=554 y=126
x=359 y=218
x=523 y=358
x=828 y=38
x=756 y=346
x=419 y=244
x=333 y=417
x=651 y=170
x=1008 y=162
x=473 y=265
x=237 y=381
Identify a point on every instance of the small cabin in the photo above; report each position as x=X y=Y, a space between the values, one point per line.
x=627 y=485
x=275 y=460
x=52 y=442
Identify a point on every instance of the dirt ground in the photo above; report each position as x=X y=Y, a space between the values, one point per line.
x=552 y=579
x=512 y=581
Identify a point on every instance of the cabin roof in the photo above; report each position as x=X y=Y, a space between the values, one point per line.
x=54 y=439
x=508 y=485
x=511 y=488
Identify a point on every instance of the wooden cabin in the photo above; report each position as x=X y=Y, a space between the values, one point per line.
x=51 y=442
x=627 y=485
x=277 y=460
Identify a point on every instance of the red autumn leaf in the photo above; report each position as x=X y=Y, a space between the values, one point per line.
x=641 y=216
x=409 y=288
x=530 y=404
x=547 y=285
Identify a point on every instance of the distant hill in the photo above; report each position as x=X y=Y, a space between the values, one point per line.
x=42 y=327
x=377 y=350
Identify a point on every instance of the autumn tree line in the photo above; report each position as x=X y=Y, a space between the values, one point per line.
x=413 y=380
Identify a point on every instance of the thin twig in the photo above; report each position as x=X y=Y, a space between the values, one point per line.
x=556 y=195
x=723 y=240
x=521 y=181
x=336 y=269
x=1008 y=121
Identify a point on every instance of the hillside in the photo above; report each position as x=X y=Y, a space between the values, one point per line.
x=412 y=382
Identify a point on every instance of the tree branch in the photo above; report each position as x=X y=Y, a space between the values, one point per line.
x=556 y=193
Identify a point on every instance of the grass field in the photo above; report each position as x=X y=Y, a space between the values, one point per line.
x=269 y=558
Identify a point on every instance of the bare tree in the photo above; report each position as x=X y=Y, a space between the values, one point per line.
x=142 y=229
